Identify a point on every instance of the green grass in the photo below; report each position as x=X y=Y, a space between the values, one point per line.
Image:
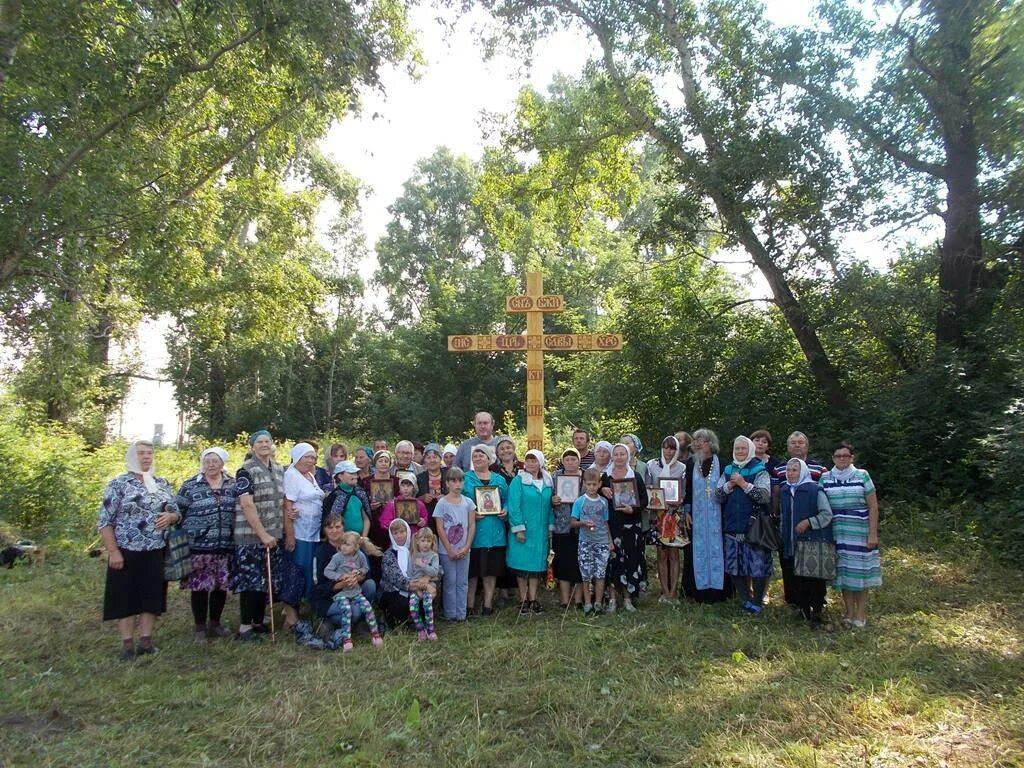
x=935 y=680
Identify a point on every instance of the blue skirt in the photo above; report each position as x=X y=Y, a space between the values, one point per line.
x=742 y=559
x=303 y=558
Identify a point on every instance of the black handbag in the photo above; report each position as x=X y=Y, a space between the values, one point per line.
x=761 y=532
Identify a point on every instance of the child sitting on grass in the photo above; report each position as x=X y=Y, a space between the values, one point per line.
x=346 y=561
x=424 y=563
x=590 y=514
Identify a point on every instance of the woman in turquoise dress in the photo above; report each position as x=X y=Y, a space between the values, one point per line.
x=530 y=521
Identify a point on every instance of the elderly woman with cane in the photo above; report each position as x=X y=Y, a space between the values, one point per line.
x=261 y=569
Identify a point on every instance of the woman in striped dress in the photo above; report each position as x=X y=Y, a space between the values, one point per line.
x=855 y=525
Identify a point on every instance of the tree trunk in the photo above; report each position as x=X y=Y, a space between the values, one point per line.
x=824 y=373
x=821 y=367
x=960 y=255
x=218 y=392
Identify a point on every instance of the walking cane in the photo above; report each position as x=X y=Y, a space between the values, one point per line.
x=270 y=590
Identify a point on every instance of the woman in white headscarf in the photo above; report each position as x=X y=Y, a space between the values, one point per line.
x=530 y=520
x=207 y=506
x=137 y=509
x=303 y=507
x=603 y=455
x=668 y=466
x=743 y=490
x=394 y=584
x=806 y=515
x=627 y=566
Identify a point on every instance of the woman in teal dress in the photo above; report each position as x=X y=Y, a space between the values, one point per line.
x=530 y=520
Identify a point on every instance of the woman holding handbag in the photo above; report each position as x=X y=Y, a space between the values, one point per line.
x=744 y=490
x=136 y=512
x=807 y=539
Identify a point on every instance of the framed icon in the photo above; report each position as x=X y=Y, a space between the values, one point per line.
x=624 y=493
x=568 y=488
x=670 y=534
x=673 y=488
x=488 y=500
x=407 y=510
x=656 y=499
x=382 y=490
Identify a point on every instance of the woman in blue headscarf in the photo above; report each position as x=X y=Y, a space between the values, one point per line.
x=743 y=489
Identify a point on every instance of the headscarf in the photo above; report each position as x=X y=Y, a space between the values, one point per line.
x=805 y=476
x=407 y=476
x=606 y=445
x=300 y=450
x=505 y=439
x=131 y=461
x=257 y=435
x=450 y=448
x=750 y=467
x=217 y=451
x=666 y=469
x=379 y=454
x=750 y=451
x=486 y=450
x=638 y=446
x=611 y=463
x=433 y=448
x=573 y=451
x=402 y=553
x=545 y=476
x=220 y=453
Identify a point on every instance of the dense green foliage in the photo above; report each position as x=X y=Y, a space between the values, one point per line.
x=695 y=187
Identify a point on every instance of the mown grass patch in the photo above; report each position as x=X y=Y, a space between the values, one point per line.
x=936 y=680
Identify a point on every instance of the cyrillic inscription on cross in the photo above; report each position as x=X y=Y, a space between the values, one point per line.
x=535 y=304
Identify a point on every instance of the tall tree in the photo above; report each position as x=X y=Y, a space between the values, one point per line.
x=940 y=118
x=732 y=139
x=127 y=124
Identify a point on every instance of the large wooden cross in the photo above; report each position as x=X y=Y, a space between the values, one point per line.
x=534 y=304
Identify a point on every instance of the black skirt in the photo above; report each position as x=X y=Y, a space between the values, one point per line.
x=486 y=561
x=566 y=564
x=137 y=588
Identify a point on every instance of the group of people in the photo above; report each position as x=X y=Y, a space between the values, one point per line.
x=390 y=538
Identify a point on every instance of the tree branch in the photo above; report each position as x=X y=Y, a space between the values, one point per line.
x=41 y=197
x=733 y=304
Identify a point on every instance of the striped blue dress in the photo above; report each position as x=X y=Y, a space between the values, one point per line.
x=857 y=567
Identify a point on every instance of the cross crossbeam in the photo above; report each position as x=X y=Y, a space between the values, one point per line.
x=535 y=304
